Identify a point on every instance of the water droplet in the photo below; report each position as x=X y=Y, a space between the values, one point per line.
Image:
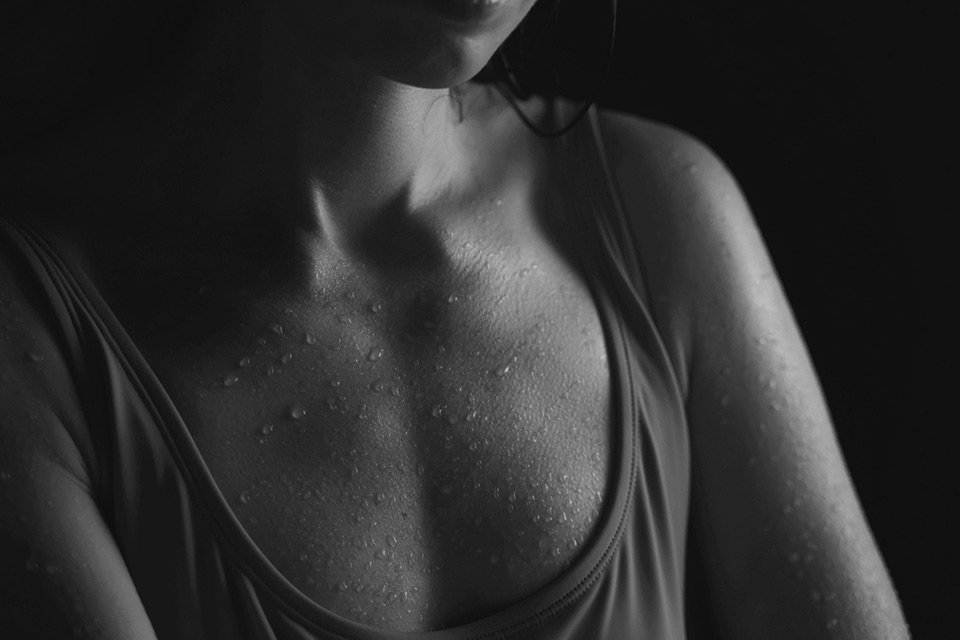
x=303 y=557
x=572 y=544
x=494 y=559
x=794 y=558
x=285 y=358
x=342 y=586
x=344 y=319
x=376 y=386
x=512 y=497
x=563 y=516
x=5 y=475
x=244 y=362
x=32 y=565
x=438 y=411
x=296 y=412
x=271 y=369
x=503 y=370
x=375 y=307
x=815 y=595
x=375 y=354
x=334 y=383
x=452 y=298
x=380 y=497
x=277 y=328
x=392 y=540
x=266 y=429
x=395 y=391
x=470 y=417
x=724 y=401
x=245 y=497
x=420 y=469
x=474 y=446
x=446 y=489
x=35 y=357
x=350 y=295
x=381 y=554
x=833 y=622
x=230 y=379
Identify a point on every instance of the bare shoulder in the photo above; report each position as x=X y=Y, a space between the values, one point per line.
x=685 y=208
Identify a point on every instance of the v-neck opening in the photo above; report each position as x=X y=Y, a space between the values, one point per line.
x=579 y=576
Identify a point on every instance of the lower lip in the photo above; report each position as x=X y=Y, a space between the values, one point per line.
x=467 y=12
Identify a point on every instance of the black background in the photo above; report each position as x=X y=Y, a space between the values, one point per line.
x=838 y=122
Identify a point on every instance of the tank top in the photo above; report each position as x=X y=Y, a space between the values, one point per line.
x=200 y=575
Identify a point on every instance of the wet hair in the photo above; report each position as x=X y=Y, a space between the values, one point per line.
x=537 y=57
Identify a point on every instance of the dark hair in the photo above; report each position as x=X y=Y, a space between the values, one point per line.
x=536 y=57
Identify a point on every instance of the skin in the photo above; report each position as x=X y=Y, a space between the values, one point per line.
x=343 y=147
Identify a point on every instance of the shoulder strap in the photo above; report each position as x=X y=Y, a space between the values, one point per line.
x=604 y=233
x=594 y=213
x=78 y=342
x=615 y=222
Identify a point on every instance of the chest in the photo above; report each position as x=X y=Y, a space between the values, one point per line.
x=413 y=451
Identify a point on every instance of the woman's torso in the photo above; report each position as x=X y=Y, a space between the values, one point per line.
x=418 y=435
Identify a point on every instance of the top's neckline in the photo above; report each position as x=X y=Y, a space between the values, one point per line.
x=566 y=588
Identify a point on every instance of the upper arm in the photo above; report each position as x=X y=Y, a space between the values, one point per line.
x=785 y=544
x=61 y=573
